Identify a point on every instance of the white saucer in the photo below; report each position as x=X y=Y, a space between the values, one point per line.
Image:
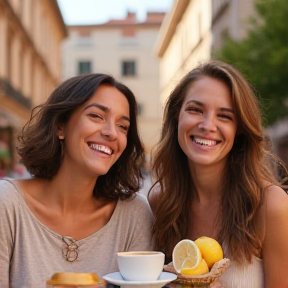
x=116 y=279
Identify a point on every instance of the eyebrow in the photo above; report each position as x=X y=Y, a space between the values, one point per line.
x=104 y=109
x=201 y=104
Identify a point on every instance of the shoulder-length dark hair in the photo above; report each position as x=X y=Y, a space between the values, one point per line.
x=249 y=166
x=40 y=147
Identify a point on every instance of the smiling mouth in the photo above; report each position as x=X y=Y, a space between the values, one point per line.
x=101 y=148
x=204 y=142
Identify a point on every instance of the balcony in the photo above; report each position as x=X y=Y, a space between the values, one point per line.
x=6 y=89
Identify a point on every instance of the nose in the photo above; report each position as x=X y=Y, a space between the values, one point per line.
x=109 y=131
x=208 y=124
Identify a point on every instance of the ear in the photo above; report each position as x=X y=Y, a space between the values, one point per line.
x=60 y=132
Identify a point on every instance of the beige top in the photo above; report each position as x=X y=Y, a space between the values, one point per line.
x=30 y=253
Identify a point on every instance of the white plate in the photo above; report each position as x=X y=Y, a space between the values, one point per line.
x=116 y=279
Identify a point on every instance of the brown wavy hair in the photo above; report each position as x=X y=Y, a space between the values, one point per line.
x=249 y=165
x=40 y=148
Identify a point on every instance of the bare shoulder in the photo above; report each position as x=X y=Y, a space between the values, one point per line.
x=154 y=197
x=275 y=244
x=275 y=210
x=276 y=201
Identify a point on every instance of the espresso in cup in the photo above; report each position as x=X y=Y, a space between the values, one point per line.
x=140 y=265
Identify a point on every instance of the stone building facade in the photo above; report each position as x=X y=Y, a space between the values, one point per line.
x=31 y=32
x=184 y=41
x=230 y=17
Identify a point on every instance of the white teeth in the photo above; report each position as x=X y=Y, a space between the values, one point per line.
x=204 y=142
x=101 y=148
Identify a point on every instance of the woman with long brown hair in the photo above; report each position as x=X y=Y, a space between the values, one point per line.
x=215 y=178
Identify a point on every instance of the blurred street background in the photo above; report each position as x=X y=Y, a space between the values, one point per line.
x=149 y=46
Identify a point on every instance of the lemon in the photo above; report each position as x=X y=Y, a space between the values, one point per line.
x=186 y=254
x=201 y=269
x=210 y=249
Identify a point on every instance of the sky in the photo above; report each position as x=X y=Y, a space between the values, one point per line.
x=100 y=11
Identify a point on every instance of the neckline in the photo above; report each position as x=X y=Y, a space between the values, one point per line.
x=79 y=241
x=227 y=254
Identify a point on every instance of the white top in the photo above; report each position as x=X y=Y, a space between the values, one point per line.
x=30 y=253
x=246 y=275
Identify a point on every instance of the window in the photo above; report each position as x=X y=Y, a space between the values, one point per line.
x=84 y=67
x=128 y=68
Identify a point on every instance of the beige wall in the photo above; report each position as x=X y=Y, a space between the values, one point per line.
x=183 y=42
x=30 y=36
x=191 y=30
x=106 y=46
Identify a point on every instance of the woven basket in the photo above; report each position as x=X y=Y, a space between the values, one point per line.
x=217 y=269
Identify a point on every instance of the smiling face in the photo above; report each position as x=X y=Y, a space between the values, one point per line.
x=207 y=123
x=96 y=134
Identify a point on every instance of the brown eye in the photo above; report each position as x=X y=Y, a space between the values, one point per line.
x=225 y=116
x=194 y=110
x=94 y=115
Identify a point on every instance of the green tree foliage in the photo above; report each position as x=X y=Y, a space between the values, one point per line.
x=263 y=57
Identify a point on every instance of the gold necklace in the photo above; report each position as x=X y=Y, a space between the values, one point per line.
x=70 y=248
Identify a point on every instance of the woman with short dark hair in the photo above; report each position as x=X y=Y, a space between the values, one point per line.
x=80 y=207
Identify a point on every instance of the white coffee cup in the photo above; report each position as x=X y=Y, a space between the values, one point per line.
x=140 y=265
